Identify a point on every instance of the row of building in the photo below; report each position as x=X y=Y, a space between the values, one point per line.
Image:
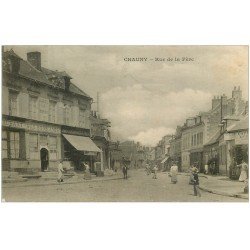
x=47 y=118
x=218 y=136
x=133 y=152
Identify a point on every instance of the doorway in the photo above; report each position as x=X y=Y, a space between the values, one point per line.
x=44 y=155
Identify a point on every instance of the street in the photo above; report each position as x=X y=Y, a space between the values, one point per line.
x=139 y=187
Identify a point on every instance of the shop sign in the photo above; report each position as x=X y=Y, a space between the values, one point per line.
x=75 y=132
x=90 y=153
x=31 y=126
x=241 y=137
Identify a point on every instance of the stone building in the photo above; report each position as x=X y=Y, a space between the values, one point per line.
x=46 y=117
x=100 y=134
x=175 y=147
x=204 y=129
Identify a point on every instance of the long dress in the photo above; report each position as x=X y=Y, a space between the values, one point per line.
x=243 y=173
x=174 y=172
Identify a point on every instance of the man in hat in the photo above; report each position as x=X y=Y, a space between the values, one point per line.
x=124 y=168
x=60 y=171
x=196 y=182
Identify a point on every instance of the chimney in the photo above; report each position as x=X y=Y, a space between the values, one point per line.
x=34 y=58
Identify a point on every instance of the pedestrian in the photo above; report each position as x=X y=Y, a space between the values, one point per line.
x=243 y=171
x=196 y=182
x=124 y=168
x=206 y=169
x=148 y=171
x=173 y=173
x=60 y=171
x=191 y=176
x=87 y=175
x=155 y=169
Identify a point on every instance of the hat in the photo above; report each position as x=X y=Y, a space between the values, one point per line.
x=194 y=169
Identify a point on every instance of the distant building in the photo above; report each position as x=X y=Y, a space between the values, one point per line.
x=175 y=147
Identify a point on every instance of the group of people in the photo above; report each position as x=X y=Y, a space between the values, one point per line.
x=173 y=173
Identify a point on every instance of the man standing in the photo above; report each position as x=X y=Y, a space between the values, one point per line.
x=124 y=168
x=196 y=182
x=155 y=172
x=60 y=171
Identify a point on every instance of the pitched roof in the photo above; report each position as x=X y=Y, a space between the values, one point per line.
x=74 y=89
x=47 y=76
x=240 y=125
x=213 y=139
x=12 y=53
x=27 y=70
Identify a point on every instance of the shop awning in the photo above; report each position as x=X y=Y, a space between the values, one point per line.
x=82 y=143
x=165 y=159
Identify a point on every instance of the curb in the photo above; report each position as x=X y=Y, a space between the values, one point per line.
x=62 y=183
x=223 y=193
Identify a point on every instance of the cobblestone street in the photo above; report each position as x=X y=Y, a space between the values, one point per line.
x=139 y=187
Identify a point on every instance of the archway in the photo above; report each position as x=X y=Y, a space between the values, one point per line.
x=44 y=156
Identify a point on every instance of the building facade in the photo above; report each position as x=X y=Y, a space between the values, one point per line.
x=46 y=117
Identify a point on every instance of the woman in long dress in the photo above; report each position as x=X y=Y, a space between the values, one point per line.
x=243 y=173
x=173 y=173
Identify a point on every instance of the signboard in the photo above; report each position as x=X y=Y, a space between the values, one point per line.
x=28 y=126
x=241 y=137
x=90 y=153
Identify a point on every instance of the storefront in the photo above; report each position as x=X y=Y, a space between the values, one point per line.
x=196 y=159
x=29 y=145
x=79 y=149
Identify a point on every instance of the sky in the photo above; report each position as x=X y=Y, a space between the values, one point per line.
x=146 y=100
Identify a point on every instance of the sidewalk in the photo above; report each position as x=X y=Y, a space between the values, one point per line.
x=222 y=185
x=50 y=178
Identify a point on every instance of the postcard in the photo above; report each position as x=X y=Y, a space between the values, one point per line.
x=125 y=123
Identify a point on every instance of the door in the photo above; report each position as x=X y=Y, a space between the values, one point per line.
x=44 y=155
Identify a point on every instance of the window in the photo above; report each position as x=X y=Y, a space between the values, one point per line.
x=53 y=147
x=194 y=139
x=4 y=144
x=33 y=107
x=33 y=146
x=13 y=103
x=14 y=145
x=81 y=117
x=52 y=111
x=67 y=115
x=43 y=109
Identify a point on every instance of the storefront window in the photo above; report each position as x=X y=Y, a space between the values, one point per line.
x=14 y=145
x=53 y=147
x=52 y=111
x=4 y=144
x=13 y=103
x=33 y=146
x=33 y=107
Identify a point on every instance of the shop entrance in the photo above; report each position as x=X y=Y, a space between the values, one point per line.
x=44 y=156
